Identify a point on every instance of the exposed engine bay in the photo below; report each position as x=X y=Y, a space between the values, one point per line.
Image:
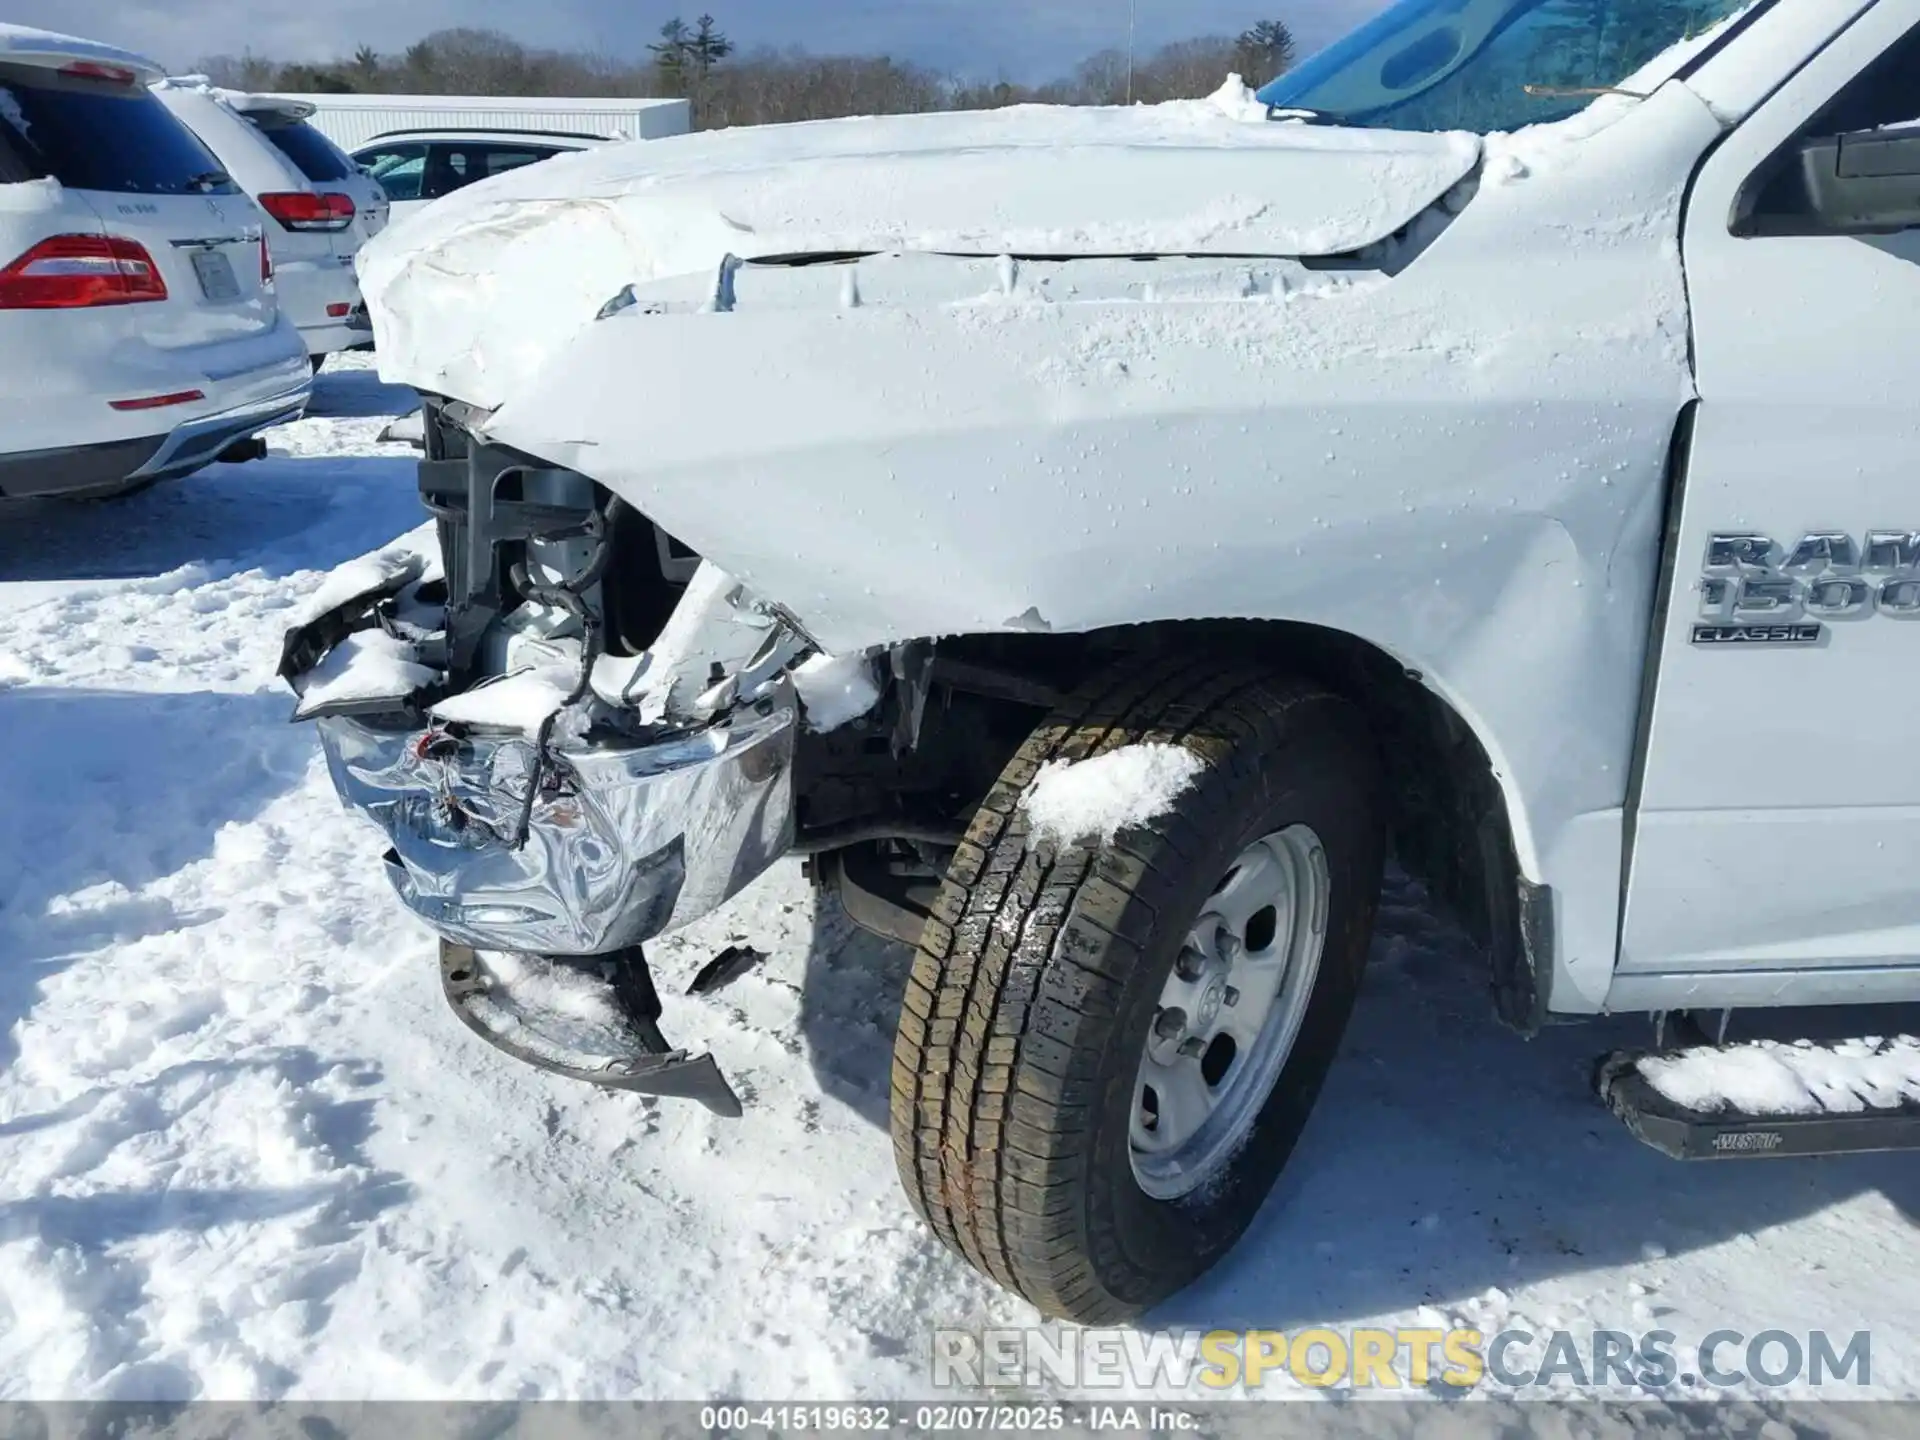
x=577 y=735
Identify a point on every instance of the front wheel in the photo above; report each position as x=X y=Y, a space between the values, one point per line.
x=1108 y=1049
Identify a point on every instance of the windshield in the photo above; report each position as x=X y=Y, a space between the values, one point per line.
x=1468 y=64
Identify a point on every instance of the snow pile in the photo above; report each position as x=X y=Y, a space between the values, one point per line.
x=1075 y=802
x=1237 y=101
x=384 y=570
x=19 y=196
x=552 y=1009
x=713 y=625
x=407 y=430
x=521 y=701
x=368 y=665
x=201 y=84
x=1767 y=1077
x=836 y=690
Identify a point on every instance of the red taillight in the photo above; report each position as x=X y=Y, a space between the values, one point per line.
x=70 y=272
x=304 y=210
x=266 y=262
x=158 y=402
x=339 y=311
x=94 y=70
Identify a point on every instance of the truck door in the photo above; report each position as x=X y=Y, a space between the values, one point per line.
x=1776 y=841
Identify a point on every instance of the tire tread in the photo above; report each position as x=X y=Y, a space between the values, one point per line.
x=1027 y=949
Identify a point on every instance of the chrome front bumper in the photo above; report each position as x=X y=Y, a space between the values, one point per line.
x=524 y=822
x=621 y=843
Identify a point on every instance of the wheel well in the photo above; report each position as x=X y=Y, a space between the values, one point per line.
x=1449 y=825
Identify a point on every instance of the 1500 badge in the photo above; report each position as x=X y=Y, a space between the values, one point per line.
x=1756 y=591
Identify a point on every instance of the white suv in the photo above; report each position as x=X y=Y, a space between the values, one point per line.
x=320 y=205
x=140 y=336
x=415 y=167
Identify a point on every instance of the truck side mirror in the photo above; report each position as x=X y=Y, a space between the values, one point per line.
x=1864 y=183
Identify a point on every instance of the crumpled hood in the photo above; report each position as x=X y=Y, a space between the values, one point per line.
x=473 y=294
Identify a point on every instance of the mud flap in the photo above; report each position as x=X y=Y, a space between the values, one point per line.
x=1730 y=1134
x=599 y=1028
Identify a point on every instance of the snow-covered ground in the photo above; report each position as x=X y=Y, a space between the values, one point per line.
x=245 y=1151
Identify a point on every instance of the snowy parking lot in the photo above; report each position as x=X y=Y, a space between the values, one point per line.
x=248 y=1152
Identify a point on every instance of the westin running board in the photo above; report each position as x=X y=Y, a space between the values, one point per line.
x=595 y=1021
x=1768 y=1099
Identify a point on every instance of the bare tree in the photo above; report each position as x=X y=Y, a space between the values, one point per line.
x=1101 y=79
x=243 y=72
x=417 y=69
x=1185 y=70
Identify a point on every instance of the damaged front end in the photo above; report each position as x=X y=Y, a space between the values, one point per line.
x=575 y=736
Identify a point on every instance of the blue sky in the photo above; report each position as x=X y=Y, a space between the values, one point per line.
x=1022 y=39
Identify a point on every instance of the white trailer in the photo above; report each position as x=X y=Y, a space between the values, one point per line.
x=352 y=120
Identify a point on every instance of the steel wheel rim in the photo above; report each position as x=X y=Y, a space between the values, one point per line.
x=1229 y=1014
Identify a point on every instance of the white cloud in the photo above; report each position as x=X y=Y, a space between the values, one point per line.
x=1024 y=39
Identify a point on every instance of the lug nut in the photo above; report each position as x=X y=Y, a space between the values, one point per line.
x=1232 y=997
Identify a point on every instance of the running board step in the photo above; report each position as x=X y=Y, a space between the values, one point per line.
x=581 y=1020
x=1768 y=1099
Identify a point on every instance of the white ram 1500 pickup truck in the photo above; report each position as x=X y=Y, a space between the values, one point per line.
x=1099 y=538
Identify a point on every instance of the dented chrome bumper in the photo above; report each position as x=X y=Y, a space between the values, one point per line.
x=541 y=796
x=621 y=842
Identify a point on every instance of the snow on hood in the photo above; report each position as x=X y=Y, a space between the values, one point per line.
x=473 y=293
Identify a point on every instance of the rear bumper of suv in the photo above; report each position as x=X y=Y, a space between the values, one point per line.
x=353 y=333
x=76 y=469
x=322 y=298
x=199 y=442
